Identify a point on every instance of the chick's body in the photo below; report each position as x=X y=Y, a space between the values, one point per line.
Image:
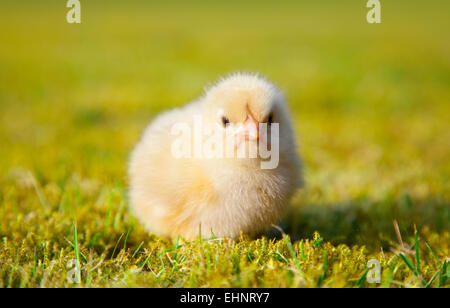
x=222 y=196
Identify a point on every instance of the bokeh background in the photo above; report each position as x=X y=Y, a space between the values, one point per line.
x=370 y=102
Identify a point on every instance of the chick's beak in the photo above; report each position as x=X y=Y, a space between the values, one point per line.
x=251 y=129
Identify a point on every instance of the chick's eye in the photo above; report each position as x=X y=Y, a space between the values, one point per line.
x=225 y=121
x=270 y=119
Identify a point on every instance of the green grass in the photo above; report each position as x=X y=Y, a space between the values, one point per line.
x=370 y=105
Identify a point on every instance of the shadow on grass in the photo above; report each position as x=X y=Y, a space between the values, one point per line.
x=365 y=222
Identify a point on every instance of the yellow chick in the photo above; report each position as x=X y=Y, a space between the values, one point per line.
x=221 y=165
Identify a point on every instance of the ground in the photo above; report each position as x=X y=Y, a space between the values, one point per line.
x=370 y=104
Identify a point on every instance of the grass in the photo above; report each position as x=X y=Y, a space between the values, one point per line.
x=370 y=105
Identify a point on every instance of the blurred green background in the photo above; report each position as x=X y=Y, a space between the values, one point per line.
x=370 y=102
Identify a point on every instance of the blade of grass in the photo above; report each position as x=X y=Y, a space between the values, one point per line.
x=408 y=262
x=432 y=253
x=399 y=235
x=361 y=281
x=432 y=279
x=325 y=268
x=443 y=274
x=416 y=245
x=77 y=254
x=137 y=250
x=291 y=250
x=115 y=247
x=148 y=258
x=73 y=247
x=176 y=248
x=126 y=239
x=302 y=244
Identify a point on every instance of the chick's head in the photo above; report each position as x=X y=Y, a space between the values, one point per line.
x=246 y=106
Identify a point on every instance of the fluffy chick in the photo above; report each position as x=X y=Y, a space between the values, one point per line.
x=222 y=196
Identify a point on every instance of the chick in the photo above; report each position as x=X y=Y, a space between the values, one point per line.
x=223 y=195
